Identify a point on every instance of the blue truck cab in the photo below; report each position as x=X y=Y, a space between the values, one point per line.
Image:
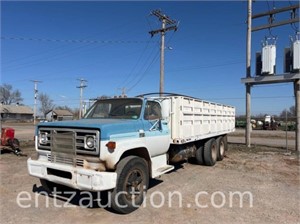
x=85 y=154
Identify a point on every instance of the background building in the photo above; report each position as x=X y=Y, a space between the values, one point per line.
x=59 y=115
x=16 y=113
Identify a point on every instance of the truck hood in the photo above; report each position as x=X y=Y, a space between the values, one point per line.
x=108 y=127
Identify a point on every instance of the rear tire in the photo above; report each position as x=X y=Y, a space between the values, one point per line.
x=225 y=142
x=132 y=184
x=210 y=152
x=199 y=155
x=221 y=148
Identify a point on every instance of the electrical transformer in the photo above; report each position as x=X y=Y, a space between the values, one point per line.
x=268 y=59
x=296 y=55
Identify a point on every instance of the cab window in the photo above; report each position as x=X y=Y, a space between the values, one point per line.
x=152 y=111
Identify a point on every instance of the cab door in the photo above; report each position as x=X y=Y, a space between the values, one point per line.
x=156 y=130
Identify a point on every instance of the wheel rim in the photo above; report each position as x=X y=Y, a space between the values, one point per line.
x=214 y=152
x=134 y=185
x=222 y=148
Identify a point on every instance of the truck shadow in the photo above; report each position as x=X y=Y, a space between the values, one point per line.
x=68 y=197
x=6 y=151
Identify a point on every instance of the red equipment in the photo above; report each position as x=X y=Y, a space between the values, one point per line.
x=8 y=139
x=7 y=133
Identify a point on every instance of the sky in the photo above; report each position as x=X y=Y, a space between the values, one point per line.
x=109 y=45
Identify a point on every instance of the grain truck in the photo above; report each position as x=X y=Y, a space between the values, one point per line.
x=121 y=143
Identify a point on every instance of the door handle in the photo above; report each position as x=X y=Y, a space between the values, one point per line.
x=141 y=133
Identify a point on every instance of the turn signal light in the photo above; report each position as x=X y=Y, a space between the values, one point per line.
x=111 y=145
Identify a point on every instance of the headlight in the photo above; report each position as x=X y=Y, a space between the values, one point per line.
x=89 y=142
x=43 y=138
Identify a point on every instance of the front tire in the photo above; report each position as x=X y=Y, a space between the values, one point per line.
x=132 y=184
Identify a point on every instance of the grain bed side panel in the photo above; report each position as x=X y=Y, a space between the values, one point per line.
x=194 y=119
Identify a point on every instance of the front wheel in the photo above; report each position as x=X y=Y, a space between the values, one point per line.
x=132 y=184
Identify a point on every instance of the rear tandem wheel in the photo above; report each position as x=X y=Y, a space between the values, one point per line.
x=210 y=152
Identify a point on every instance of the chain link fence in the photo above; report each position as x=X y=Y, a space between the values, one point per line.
x=287 y=123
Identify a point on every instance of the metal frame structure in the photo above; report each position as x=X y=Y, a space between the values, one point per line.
x=263 y=80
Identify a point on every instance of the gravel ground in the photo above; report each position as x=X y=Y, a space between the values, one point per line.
x=268 y=176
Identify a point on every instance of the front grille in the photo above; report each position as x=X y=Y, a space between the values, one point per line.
x=68 y=141
x=63 y=141
x=65 y=159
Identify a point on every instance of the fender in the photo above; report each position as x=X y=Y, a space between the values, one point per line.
x=112 y=157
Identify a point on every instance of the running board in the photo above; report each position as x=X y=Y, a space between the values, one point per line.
x=159 y=165
x=162 y=170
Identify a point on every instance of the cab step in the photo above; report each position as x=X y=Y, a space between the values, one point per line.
x=162 y=170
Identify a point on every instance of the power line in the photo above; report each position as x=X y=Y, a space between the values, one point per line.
x=59 y=55
x=56 y=56
x=61 y=71
x=141 y=74
x=134 y=67
x=205 y=66
x=46 y=59
x=146 y=65
x=169 y=22
x=145 y=72
x=123 y=25
x=182 y=69
x=77 y=41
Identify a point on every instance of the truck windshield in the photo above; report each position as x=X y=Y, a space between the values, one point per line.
x=116 y=109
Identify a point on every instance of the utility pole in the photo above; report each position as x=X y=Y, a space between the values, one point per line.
x=164 y=28
x=81 y=87
x=123 y=92
x=35 y=99
x=248 y=75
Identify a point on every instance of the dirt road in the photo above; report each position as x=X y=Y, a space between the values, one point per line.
x=267 y=179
